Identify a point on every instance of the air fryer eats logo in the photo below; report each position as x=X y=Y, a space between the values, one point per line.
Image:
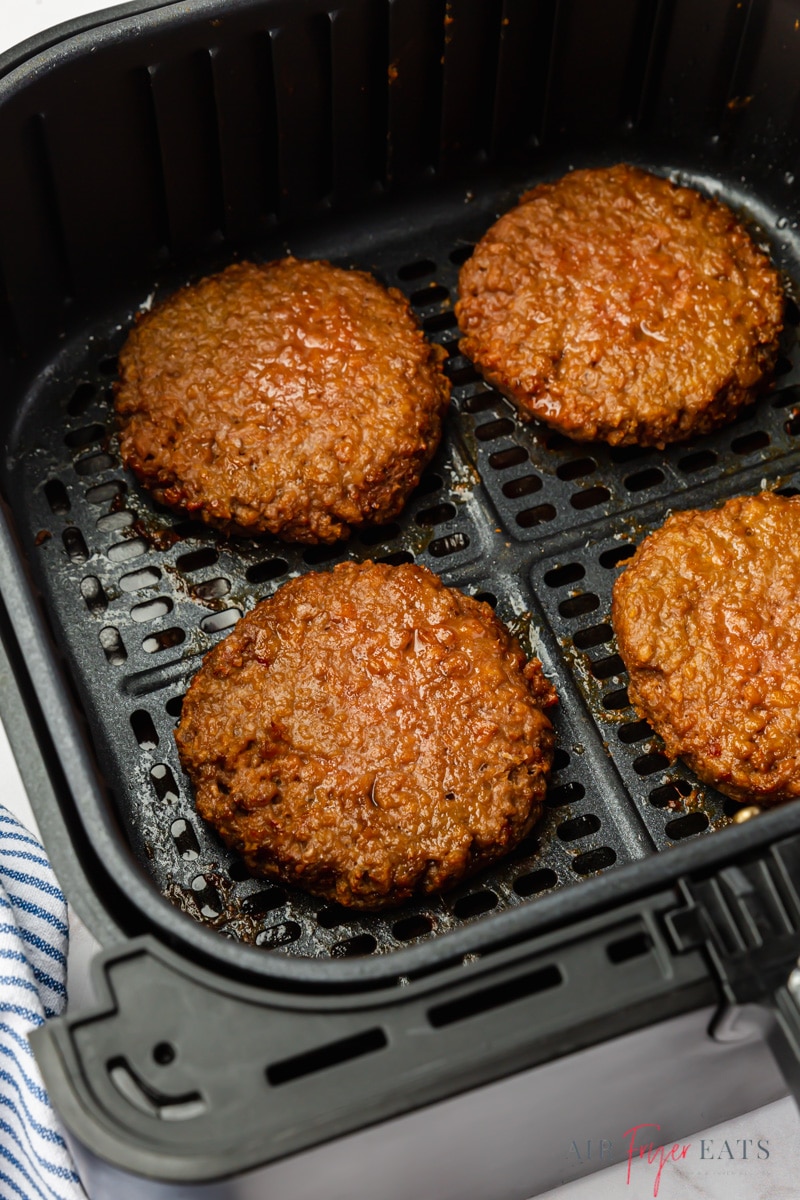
x=642 y=1146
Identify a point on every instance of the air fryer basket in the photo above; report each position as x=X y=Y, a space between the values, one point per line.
x=147 y=149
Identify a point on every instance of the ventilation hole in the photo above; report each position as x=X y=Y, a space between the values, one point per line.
x=174 y=705
x=195 y=560
x=113 y=522
x=641 y=480
x=437 y=515
x=430 y=482
x=607 y=668
x=750 y=442
x=529 y=846
x=560 y=760
x=688 y=826
x=220 y=620
x=262 y=572
x=788 y=397
x=783 y=366
x=480 y=402
x=566 y=793
x=648 y=764
x=612 y=558
x=536 y=882
x=134 y=581
x=624 y=454
x=93 y=464
x=451 y=544
x=164 y=783
x=578 y=827
x=362 y=943
x=525 y=486
x=163 y=1054
x=108 y=365
x=791 y=312
x=152 y=609
x=333 y=915
x=376 y=535
x=94 y=595
x=81 y=398
x=634 y=946
x=412 y=927
x=529 y=517
x=500 y=994
x=397 y=557
x=576 y=468
x=787 y=491
x=207 y=897
x=415 y=270
x=56 y=496
x=501 y=460
x=434 y=293
x=143 y=729
x=164 y=640
x=561 y=576
x=238 y=871
x=332 y=1055
x=594 y=860
x=113 y=646
x=125 y=551
x=592 y=635
x=589 y=498
x=439 y=321
x=185 y=839
x=75 y=546
x=792 y=426
x=212 y=589
x=665 y=796
x=260 y=903
x=636 y=731
x=316 y=555
x=282 y=934
x=461 y=253
x=462 y=374
x=578 y=606
x=494 y=429
x=487 y=598
x=698 y=461
x=104 y=493
x=77 y=438
x=474 y=904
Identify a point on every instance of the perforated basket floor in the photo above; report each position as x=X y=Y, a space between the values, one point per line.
x=536 y=524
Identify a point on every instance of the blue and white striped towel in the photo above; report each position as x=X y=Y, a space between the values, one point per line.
x=34 y=1161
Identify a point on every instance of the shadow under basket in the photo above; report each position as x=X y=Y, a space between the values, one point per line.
x=250 y=1040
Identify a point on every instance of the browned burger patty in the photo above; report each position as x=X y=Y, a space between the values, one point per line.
x=614 y=305
x=707 y=618
x=368 y=734
x=293 y=398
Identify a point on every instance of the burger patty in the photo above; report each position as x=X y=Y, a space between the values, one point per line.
x=369 y=735
x=707 y=618
x=292 y=398
x=614 y=305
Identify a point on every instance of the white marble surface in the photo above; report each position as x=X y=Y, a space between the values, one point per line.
x=713 y=1167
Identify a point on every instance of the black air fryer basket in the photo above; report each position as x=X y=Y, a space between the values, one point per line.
x=251 y=1041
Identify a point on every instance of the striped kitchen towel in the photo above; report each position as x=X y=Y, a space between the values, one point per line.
x=34 y=1161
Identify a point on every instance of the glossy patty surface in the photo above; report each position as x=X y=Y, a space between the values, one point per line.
x=293 y=398
x=614 y=305
x=707 y=618
x=368 y=734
